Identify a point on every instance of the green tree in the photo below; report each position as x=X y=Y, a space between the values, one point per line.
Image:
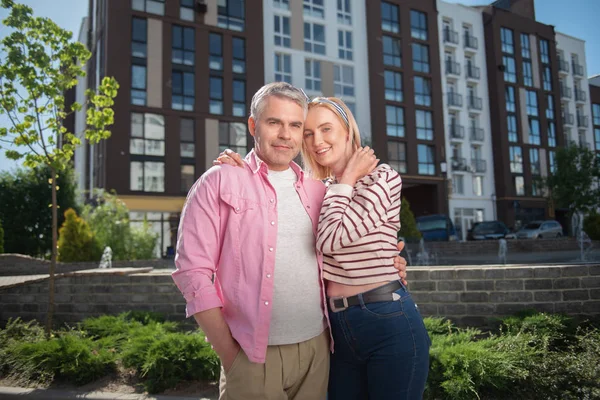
x=23 y=194
x=39 y=63
x=76 y=241
x=408 y=229
x=1 y=238
x=591 y=225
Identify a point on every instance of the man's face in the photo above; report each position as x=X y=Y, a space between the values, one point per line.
x=278 y=132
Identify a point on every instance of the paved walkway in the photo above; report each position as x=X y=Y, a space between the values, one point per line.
x=52 y=394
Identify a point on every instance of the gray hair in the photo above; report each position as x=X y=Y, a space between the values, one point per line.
x=278 y=89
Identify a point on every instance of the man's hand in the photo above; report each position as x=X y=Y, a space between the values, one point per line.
x=229 y=157
x=228 y=356
x=362 y=162
x=400 y=263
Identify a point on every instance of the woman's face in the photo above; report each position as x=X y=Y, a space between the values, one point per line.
x=326 y=138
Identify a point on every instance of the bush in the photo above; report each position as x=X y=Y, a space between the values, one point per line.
x=1 y=238
x=76 y=241
x=408 y=228
x=591 y=226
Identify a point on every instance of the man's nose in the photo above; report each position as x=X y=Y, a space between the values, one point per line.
x=284 y=132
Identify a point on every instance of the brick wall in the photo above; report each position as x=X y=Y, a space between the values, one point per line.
x=468 y=295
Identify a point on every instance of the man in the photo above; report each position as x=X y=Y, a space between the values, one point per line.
x=253 y=229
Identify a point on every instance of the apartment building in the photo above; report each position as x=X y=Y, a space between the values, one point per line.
x=594 y=88
x=467 y=116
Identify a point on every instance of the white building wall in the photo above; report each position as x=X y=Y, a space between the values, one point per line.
x=467 y=207
x=360 y=100
x=81 y=156
x=567 y=46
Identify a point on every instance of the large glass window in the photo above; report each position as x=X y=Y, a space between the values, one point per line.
x=138 y=85
x=597 y=138
x=534 y=161
x=511 y=122
x=215 y=44
x=422 y=91
x=532 y=103
x=186 y=10
x=418 y=25
x=283 y=4
x=596 y=113
x=478 y=185
x=458 y=184
x=393 y=86
x=426 y=158
x=183 y=91
x=547 y=78
x=282 y=34
x=420 y=57
x=550 y=109
x=147 y=176
x=508 y=45
x=314 y=8
x=344 y=13
x=231 y=14
x=516 y=160
x=534 y=131
x=149 y=6
x=187 y=147
x=525 y=46
x=345 y=45
x=239 y=98
x=216 y=95
x=424 y=124
x=511 y=104
x=390 y=20
x=552 y=159
x=187 y=177
x=283 y=68
x=527 y=73
x=312 y=69
x=544 y=51
x=510 y=71
x=183 y=45
x=232 y=135
x=397 y=156
x=343 y=80
x=519 y=186
x=139 y=37
x=551 y=134
x=239 y=56
x=147 y=135
x=314 y=38
x=392 y=52
x=394 y=118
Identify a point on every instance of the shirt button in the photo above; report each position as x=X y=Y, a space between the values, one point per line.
x=272 y=222
x=268 y=275
x=237 y=209
x=270 y=249
x=266 y=303
x=272 y=200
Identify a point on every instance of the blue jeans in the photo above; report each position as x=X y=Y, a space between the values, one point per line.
x=381 y=351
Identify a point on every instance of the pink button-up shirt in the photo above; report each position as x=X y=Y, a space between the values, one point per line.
x=228 y=230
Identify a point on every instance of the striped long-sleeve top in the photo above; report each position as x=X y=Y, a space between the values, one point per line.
x=358 y=228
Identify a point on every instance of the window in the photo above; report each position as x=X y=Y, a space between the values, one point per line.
x=393 y=86
x=516 y=160
x=458 y=185
x=182 y=91
x=345 y=45
x=397 y=156
x=525 y=46
x=510 y=72
x=544 y=51
x=426 y=159
x=139 y=37
x=394 y=118
x=424 y=125
x=239 y=98
x=283 y=4
x=527 y=73
x=216 y=95
x=231 y=14
x=239 y=56
x=312 y=70
x=344 y=13
x=508 y=46
x=511 y=122
x=147 y=135
x=314 y=38
x=510 y=99
x=597 y=138
x=215 y=44
x=534 y=131
x=550 y=109
x=282 y=36
x=420 y=57
x=552 y=158
x=389 y=17
x=147 y=176
x=422 y=91
x=232 y=135
x=343 y=80
x=314 y=8
x=183 y=45
x=187 y=177
x=519 y=186
x=551 y=134
x=547 y=78
x=534 y=161
x=186 y=10
x=596 y=114
x=138 y=85
x=418 y=25
x=532 y=105
x=392 y=53
x=187 y=148
x=283 y=68
x=149 y=6
x=478 y=185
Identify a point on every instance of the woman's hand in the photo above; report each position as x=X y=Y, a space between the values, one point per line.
x=229 y=157
x=362 y=162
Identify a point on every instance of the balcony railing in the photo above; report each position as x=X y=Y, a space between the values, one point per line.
x=456 y=131
x=563 y=66
x=577 y=69
x=580 y=95
x=470 y=41
x=455 y=99
x=565 y=92
x=568 y=118
x=474 y=103
x=478 y=165
x=476 y=134
x=452 y=68
x=459 y=164
x=450 y=36
x=582 y=121
x=472 y=71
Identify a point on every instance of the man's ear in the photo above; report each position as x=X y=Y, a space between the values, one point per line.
x=251 y=125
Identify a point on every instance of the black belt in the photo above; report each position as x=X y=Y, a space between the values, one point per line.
x=382 y=293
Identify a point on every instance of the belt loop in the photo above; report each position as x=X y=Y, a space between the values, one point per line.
x=361 y=301
x=403 y=285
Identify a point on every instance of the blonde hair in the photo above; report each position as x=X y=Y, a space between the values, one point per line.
x=278 y=89
x=311 y=166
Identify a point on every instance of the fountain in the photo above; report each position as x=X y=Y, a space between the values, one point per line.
x=106 y=260
x=502 y=249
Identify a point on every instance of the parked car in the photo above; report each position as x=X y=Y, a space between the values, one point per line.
x=540 y=229
x=436 y=228
x=488 y=230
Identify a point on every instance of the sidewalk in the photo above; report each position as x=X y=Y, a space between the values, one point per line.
x=51 y=394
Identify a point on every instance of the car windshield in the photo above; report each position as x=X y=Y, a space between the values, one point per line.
x=431 y=225
x=533 y=225
x=485 y=226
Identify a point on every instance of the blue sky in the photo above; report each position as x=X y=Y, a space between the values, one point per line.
x=573 y=17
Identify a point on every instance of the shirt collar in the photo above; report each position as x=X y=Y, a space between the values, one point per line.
x=256 y=165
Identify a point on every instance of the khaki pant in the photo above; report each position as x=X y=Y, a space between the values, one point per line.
x=291 y=372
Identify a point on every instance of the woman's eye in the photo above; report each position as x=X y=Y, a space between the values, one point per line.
x=307 y=135
x=326 y=129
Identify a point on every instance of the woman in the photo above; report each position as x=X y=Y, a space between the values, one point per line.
x=381 y=344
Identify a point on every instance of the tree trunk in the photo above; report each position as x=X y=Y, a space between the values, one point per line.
x=50 y=314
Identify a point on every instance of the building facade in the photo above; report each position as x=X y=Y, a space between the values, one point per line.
x=595 y=102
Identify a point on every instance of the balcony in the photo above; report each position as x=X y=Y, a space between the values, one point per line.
x=582 y=121
x=459 y=164
x=450 y=36
x=563 y=66
x=454 y=99
x=478 y=165
x=568 y=118
x=580 y=95
x=476 y=134
x=565 y=92
x=470 y=42
x=475 y=103
x=472 y=71
x=452 y=68
x=577 y=69
x=456 y=131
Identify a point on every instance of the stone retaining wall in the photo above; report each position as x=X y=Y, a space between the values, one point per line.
x=513 y=246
